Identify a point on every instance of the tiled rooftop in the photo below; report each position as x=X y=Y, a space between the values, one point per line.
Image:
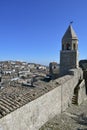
x=14 y=97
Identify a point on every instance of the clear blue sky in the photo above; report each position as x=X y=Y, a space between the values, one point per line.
x=31 y=30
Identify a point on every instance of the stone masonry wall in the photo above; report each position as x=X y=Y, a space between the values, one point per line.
x=82 y=92
x=68 y=60
x=67 y=92
x=34 y=114
x=68 y=83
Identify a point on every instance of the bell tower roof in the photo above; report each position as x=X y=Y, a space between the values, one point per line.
x=70 y=34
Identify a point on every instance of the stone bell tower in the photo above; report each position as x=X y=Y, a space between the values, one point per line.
x=69 y=51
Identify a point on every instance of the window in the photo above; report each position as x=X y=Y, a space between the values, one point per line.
x=74 y=46
x=68 y=46
x=63 y=47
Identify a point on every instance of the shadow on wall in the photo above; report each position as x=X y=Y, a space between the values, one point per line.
x=81 y=129
x=85 y=77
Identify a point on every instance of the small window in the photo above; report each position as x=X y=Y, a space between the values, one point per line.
x=74 y=46
x=63 y=47
x=68 y=46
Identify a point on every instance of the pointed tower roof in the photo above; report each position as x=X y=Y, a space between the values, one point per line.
x=70 y=34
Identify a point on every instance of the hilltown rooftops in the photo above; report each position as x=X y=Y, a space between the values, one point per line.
x=15 y=96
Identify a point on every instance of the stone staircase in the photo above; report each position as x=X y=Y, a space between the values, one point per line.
x=75 y=99
x=75 y=96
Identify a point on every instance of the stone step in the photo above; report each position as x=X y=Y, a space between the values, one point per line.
x=74 y=99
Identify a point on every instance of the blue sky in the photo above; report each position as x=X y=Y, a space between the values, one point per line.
x=31 y=30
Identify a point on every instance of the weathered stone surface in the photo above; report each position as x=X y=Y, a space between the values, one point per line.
x=74 y=118
x=55 y=98
x=69 y=51
x=68 y=60
x=34 y=114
